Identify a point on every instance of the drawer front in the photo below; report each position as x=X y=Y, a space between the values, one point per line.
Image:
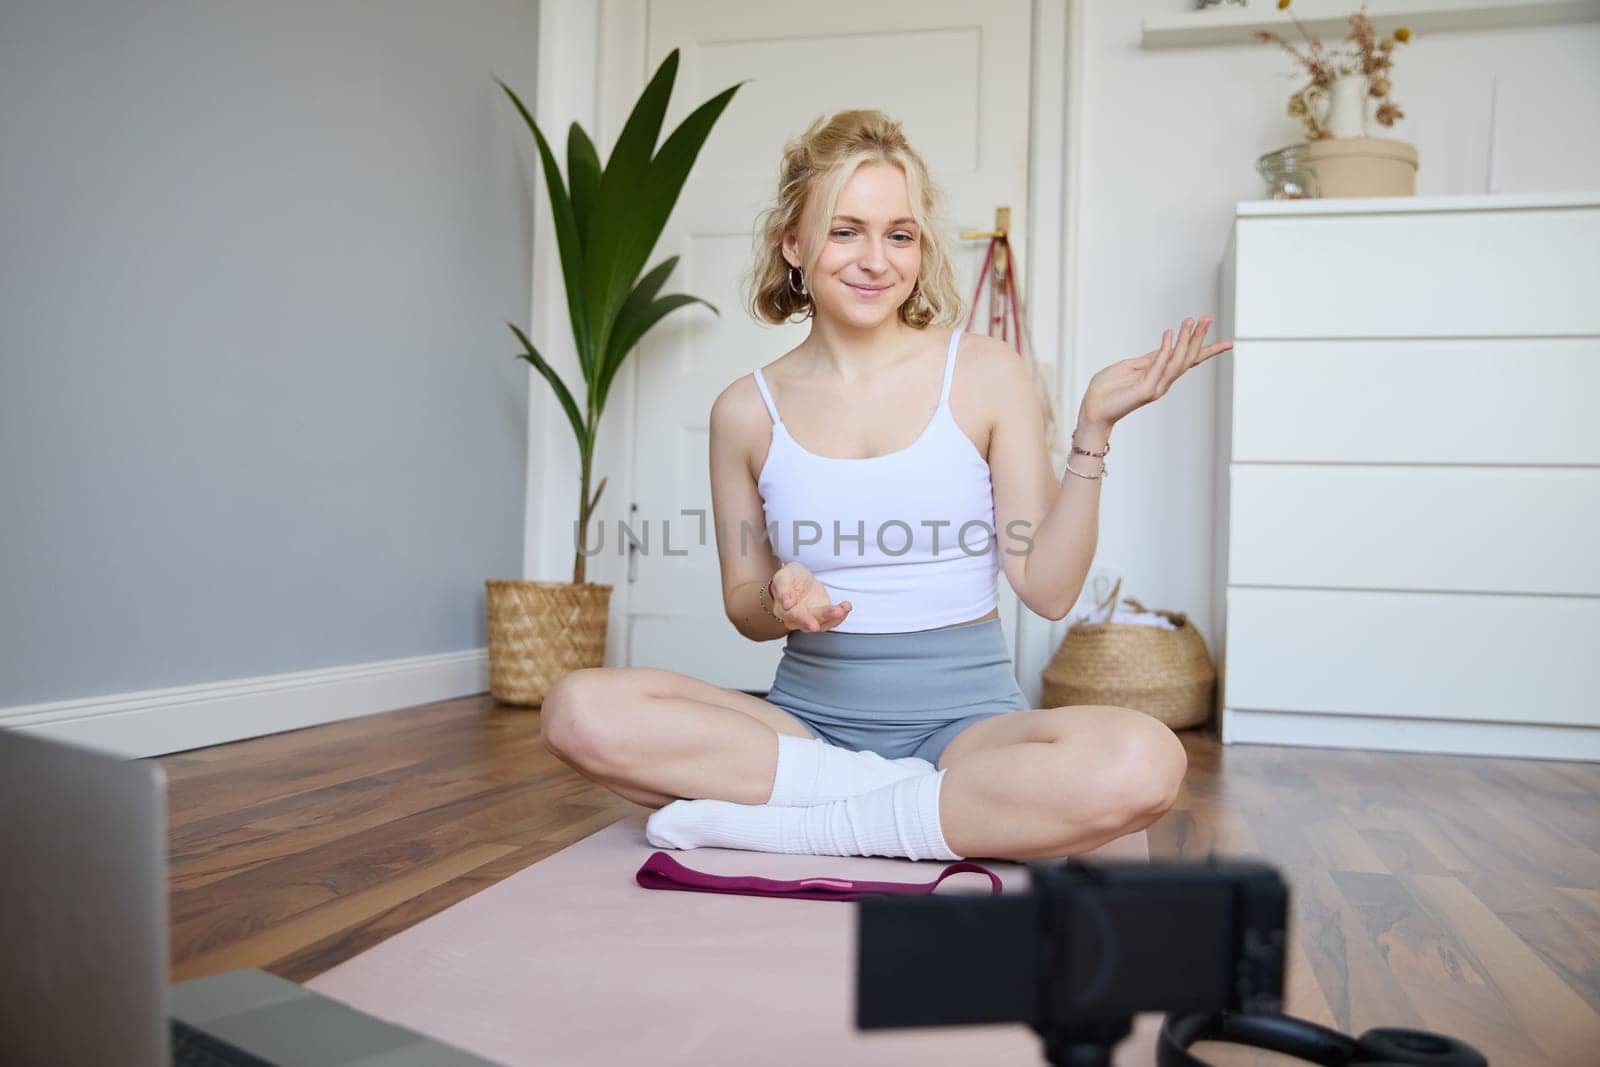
x=1414 y=655
x=1528 y=273
x=1485 y=401
x=1482 y=529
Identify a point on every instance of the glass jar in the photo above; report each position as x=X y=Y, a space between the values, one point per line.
x=1288 y=174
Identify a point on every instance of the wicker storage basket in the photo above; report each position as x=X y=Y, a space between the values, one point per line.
x=539 y=631
x=1164 y=673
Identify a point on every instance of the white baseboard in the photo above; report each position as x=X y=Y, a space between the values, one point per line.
x=1446 y=736
x=158 y=721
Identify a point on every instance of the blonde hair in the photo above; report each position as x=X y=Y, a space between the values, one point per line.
x=820 y=161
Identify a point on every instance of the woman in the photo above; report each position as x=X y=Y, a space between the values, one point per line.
x=895 y=725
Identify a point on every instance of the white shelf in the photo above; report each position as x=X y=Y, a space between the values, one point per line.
x=1329 y=19
x=1368 y=205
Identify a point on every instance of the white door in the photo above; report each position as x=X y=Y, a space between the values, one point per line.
x=956 y=74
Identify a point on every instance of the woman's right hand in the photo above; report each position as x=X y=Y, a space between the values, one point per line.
x=801 y=601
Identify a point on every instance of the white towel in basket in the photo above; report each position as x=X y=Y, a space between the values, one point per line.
x=1120 y=613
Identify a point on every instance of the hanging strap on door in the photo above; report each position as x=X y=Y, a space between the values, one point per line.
x=1005 y=287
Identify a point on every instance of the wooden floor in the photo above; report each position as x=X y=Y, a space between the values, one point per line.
x=1448 y=893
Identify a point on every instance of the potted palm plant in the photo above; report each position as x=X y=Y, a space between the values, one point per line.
x=607 y=222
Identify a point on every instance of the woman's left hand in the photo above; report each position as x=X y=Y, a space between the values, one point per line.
x=1130 y=384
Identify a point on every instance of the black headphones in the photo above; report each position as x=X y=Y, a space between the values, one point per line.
x=1306 y=1040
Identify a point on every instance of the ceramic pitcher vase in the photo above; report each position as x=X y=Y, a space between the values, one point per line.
x=1346 y=103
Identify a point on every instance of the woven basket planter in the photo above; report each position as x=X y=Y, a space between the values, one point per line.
x=1166 y=674
x=539 y=631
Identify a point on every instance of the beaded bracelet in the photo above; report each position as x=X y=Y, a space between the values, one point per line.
x=1085 y=452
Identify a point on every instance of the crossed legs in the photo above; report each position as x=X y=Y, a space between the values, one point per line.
x=1052 y=782
x=1035 y=784
x=653 y=736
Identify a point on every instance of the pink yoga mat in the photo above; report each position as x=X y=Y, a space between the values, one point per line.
x=572 y=962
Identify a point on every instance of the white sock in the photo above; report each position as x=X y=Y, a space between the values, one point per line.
x=899 y=819
x=811 y=771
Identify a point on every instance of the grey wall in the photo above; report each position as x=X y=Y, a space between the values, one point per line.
x=258 y=406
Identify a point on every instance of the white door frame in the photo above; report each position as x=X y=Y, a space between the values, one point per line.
x=575 y=58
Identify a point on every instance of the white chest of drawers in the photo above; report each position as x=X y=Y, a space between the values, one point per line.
x=1408 y=514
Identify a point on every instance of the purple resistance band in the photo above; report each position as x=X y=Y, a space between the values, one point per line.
x=661 y=871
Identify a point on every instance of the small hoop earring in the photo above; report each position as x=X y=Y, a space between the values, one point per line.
x=799 y=288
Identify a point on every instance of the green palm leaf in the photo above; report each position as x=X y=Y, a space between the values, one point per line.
x=605 y=273
x=532 y=355
x=630 y=312
x=566 y=234
x=651 y=315
x=583 y=164
x=668 y=172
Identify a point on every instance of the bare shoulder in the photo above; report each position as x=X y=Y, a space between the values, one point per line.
x=738 y=405
x=992 y=380
x=739 y=419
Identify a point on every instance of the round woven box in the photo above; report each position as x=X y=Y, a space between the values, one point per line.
x=1164 y=673
x=1363 y=166
x=539 y=631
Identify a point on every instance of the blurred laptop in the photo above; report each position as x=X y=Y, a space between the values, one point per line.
x=83 y=939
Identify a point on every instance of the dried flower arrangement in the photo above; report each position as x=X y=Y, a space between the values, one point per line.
x=1372 y=57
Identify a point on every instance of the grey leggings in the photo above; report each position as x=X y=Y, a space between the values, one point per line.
x=897 y=694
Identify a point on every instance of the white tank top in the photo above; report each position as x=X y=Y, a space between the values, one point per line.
x=907 y=537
